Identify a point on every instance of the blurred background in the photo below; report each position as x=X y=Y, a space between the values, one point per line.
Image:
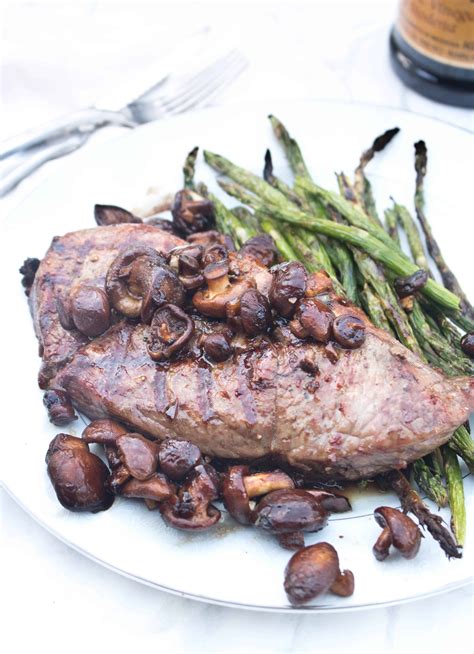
x=59 y=57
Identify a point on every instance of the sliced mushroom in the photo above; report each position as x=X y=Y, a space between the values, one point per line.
x=165 y=288
x=318 y=283
x=59 y=407
x=128 y=454
x=156 y=488
x=235 y=496
x=170 y=330
x=80 y=479
x=177 y=458
x=239 y=487
x=162 y=223
x=120 y=473
x=220 y=290
x=103 y=431
x=90 y=310
x=108 y=214
x=262 y=483
x=205 y=239
x=261 y=248
x=289 y=511
x=186 y=262
x=192 y=213
x=191 y=509
x=130 y=277
x=313 y=571
x=215 y=253
x=288 y=286
x=315 y=319
x=138 y=455
x=398 y=530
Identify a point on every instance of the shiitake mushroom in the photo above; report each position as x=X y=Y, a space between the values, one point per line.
x=313 y=319
x=129 y=278
x=261 y=248
x=170 y=331
x=191 y=508
x=139 y=280
x=192 y=213
x=108 y=214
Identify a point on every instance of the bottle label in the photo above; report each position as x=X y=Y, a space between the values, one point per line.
x=442 y=30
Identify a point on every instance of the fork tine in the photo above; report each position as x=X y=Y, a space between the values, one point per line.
x=214 y=87
x=188 y=87
x=238 y=69
x=210 y=87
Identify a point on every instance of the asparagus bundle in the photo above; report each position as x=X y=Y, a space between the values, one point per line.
x=344 y=235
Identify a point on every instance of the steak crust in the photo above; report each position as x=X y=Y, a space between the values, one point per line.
x=79 y=257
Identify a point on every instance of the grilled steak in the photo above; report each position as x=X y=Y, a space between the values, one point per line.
x=79 y=257
x=374 y=409
x=363 y=412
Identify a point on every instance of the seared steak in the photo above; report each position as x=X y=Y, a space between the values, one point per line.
x=353 y=415
x=79 y=257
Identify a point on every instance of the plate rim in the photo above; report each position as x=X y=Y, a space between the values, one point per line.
x=234 y=106
x=236 y=605
x=216 y=109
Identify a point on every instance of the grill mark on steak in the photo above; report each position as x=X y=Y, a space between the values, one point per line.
x=205 y=388
x=160 y=390
x=243 y=391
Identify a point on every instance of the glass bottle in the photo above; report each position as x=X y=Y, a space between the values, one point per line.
x=432 y=49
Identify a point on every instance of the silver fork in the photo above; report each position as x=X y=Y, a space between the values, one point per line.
x=166 y=98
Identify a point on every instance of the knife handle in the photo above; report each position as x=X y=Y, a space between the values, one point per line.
x=63 y=127
x=33 y=161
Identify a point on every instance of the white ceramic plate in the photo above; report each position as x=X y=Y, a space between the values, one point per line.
x=230 y=565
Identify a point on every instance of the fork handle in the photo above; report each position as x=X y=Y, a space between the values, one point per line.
x=33 y=161
x=63 y=127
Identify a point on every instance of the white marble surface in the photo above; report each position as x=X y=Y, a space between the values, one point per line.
x=59 y=57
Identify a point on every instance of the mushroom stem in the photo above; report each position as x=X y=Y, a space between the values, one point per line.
x=217 y=286
x=382 y=545
x=343 y=584
x=262 y=483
